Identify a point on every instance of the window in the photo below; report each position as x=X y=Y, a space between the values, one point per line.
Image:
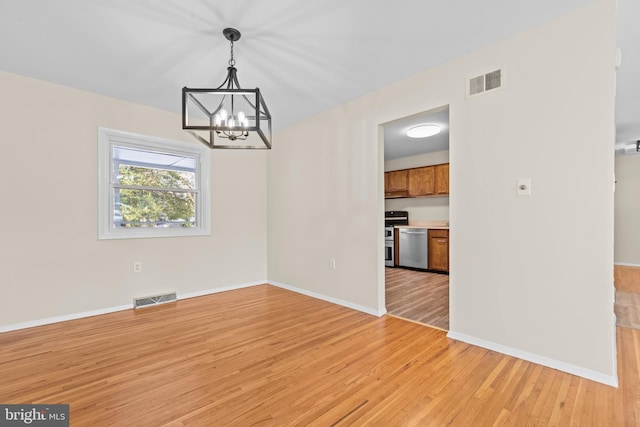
x=151 y=187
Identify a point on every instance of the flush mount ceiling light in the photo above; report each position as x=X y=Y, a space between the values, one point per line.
x=227 y=116
x=423 y=131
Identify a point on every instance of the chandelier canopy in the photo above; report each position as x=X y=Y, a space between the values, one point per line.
x=227 y=116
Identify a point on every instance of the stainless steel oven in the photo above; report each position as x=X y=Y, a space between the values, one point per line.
x=391 y=219
x=388 y=233
x=389 y=247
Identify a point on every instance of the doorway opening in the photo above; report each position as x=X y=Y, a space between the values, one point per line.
x=417 y=182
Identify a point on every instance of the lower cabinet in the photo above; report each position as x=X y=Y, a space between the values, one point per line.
x=439 y=250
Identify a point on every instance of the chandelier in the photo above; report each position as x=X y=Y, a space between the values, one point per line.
x=227 y=116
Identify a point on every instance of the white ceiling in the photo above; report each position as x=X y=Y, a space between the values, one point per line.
x=306 y=57
x=398 y=145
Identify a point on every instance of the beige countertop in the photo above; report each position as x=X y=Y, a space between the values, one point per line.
x=434 y=225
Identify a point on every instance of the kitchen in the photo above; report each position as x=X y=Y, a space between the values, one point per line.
x=417 y=219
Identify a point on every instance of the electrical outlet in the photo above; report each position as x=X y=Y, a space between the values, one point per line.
x=137 y=267
x=332 y=263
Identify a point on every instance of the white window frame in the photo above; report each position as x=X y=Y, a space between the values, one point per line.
x=107 y=139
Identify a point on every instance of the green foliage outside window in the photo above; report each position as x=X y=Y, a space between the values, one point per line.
x=156 y=208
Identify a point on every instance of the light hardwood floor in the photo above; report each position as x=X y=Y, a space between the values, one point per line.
x=418 y=296
x=267 y=356
x=627 y=279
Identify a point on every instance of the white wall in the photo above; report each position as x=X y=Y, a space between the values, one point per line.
x=419 y=208
x=51 y=262
x=417 y=161
x=529 y=274
x=627 y=210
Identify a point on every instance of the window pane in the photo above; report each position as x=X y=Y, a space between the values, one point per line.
x=160 y=178
x=145 y=208
x=148 y=158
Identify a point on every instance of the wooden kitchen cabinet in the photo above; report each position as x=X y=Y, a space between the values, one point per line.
x=442 y=179
x=396 y=182
x=438 y=250
x=417 y=182
x=422 y=181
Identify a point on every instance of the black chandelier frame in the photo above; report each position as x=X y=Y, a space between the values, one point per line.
x=207 y=130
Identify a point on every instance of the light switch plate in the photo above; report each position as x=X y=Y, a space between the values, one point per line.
x=524 y=186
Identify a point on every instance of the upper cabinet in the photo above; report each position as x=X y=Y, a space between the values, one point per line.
x=442 y=179
x=396 y=183
x=422 y=181
x=417 y=182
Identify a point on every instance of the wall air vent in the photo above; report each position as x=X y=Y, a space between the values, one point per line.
x=485 y=82
x=154 y=300
x=476 y=85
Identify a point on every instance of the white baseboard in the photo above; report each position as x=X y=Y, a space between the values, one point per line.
x=332 y=300
x=611 y=380
x=626 y=264
x=107 y=310
x=63 y=318
x=614 y=345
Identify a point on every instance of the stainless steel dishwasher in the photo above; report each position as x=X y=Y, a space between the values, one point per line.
x=414 y=245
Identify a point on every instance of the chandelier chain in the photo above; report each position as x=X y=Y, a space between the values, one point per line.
x=232 y=62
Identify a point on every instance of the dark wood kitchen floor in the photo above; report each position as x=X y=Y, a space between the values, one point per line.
x=418 y=296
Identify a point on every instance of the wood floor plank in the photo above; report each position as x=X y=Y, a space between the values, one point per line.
x=418 y=296
x=267 y=356
x=627 y=278
x=627 y=309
